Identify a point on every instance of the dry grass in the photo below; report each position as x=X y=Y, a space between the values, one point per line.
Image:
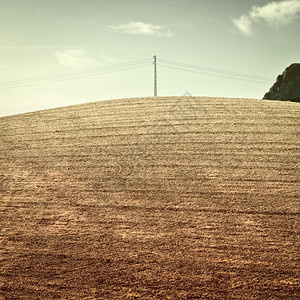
x=152 y=198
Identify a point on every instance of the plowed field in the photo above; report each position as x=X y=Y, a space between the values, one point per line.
x=151 y=198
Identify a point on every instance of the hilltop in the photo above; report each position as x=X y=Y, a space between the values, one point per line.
x=151 y=198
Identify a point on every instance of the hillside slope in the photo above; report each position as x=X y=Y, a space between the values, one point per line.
x=151 y=198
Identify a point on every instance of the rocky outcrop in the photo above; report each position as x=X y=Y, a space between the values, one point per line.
x=287 y=85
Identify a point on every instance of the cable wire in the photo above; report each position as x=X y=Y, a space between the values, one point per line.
x=134 y=65
x=75 y=75
x=216 y=75
x=230 y=73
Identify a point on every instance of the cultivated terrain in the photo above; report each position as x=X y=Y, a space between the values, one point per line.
x=151 y=198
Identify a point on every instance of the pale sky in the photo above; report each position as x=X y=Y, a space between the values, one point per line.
x=55 y=53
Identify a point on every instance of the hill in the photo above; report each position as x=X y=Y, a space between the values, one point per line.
x=151 y=198
x=287 y=85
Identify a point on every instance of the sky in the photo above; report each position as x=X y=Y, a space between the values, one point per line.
x=63 y=52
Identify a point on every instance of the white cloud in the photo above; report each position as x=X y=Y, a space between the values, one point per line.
x=244 y=24
x=142 y=28
x=273 y=13
x=74 y=58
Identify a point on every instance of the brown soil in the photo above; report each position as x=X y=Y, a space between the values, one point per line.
x=151 y=198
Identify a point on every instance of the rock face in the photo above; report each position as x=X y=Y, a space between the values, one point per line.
x=287 y=85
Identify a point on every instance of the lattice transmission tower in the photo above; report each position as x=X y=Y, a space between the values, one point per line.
x=155 y=76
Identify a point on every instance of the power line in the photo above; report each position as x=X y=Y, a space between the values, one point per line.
x=75 y=75
x=70 y=78
x=134 y=65
x=78 y=72
x=216 y=75
x=216 y=72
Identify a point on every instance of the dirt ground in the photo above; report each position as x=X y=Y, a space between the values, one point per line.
x=151 y=198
